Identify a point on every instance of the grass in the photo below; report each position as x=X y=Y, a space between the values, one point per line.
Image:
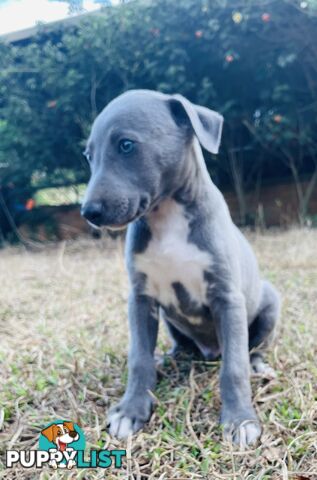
x=63 y=343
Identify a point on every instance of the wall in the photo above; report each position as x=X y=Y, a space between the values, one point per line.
x=278 y=202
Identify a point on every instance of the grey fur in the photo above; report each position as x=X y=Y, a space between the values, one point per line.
x=218 y=302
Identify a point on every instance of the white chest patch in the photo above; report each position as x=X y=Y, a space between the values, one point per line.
x=170 y=258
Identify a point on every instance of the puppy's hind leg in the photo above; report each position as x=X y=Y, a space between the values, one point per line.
x=262 y=330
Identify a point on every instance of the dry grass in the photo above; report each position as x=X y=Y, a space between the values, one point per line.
x=63 y=335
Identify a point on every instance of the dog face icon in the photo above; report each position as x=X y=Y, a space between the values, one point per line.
x=61 y=434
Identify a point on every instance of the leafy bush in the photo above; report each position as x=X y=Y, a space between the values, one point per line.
x=254 y=61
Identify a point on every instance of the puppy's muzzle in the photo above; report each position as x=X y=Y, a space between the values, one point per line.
x=117 y=215
x=93 y=212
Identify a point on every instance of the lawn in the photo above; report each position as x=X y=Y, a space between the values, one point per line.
x=63 y=344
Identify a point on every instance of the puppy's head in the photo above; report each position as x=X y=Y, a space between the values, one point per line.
x=61 y=434
x=137 y=150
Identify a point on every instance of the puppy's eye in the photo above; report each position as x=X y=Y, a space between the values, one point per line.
x=126 y=146
x=59 y=432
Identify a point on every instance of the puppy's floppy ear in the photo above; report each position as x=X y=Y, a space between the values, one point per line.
x=49 y=432
x=206 y=123
x=69 y=425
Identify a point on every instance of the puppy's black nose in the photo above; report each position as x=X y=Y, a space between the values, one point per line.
x=73 y=434
x=93 y=212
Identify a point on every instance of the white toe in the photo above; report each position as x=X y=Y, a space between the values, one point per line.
x=253 y=432
x=247 y=434
x=120 y=426
x=125 y=428
x=259 y=367
x=264 y=370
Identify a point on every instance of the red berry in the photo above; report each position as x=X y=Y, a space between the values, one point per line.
x=277 y=118
x=51 y=104
x=266 y=17
x=229 y=58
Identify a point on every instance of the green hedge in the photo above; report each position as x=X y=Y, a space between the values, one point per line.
x=255 y=61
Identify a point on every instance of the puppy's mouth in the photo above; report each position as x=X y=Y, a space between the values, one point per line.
x=113 y=228
x=118 y=228
x=144 y=207
x=61 y=445
x=122 y=226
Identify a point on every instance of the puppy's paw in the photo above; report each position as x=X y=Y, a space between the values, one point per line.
x=261 y=368
x=243 y=435
x=53 y=464
x=127 y=417
x=241 y=429
x=71 y=464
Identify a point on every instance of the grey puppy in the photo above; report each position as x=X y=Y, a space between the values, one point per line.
x=187 y=261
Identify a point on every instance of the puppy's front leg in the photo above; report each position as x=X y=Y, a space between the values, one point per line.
x=135 y=406
x=238 y=417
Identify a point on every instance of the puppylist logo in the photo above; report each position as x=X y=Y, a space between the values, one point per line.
x=62 y=445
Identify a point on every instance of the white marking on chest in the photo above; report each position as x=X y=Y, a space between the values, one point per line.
x=170 y=258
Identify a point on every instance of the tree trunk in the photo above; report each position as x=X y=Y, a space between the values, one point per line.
x=237 y=175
